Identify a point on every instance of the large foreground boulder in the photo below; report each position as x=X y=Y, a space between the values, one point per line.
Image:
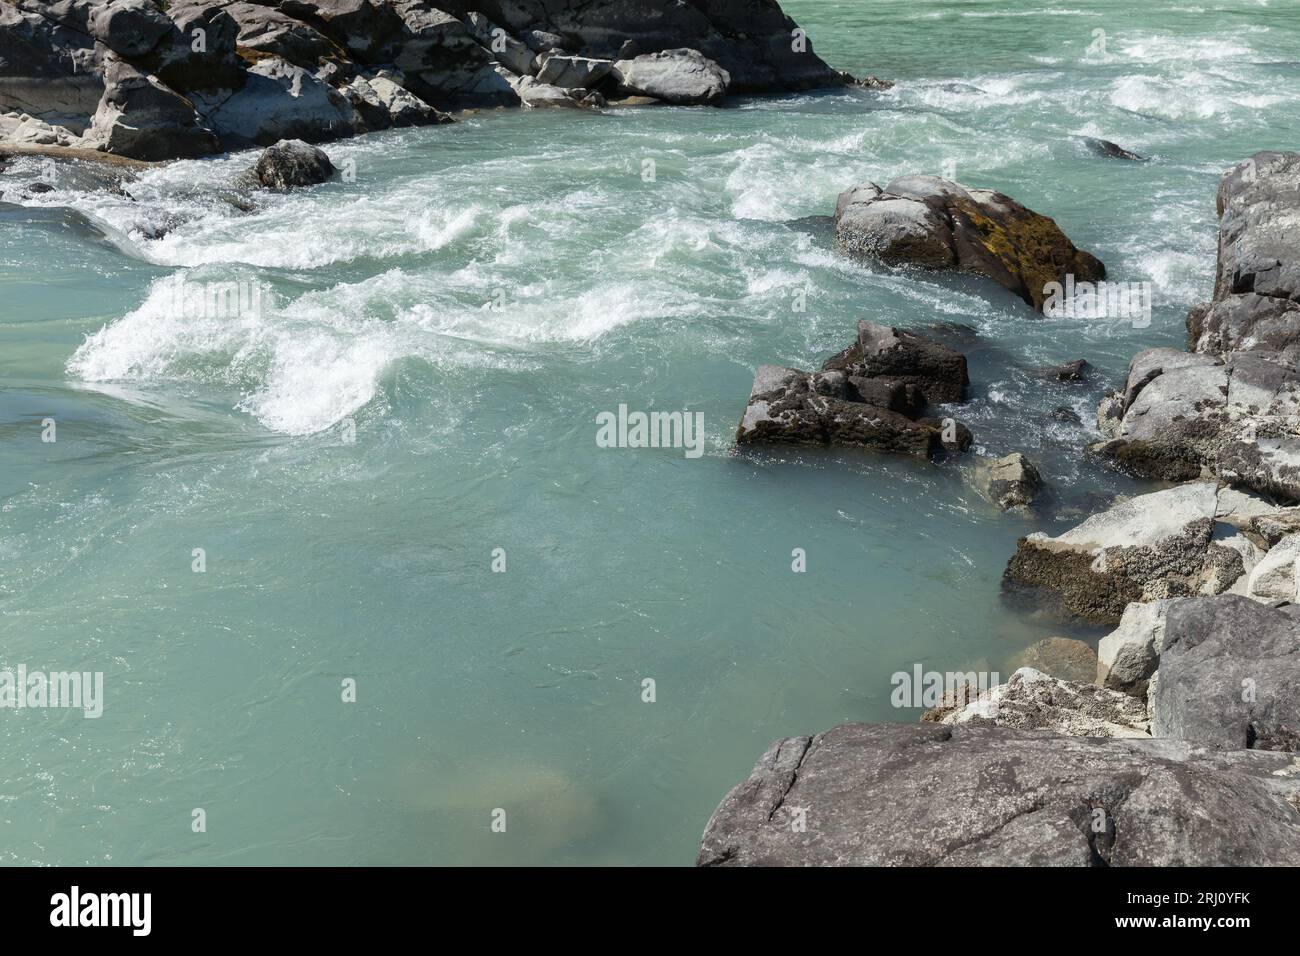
x=1230 y=675
x=1165 y=544
x=937 y=795
x=871 y=395
x=931 y=222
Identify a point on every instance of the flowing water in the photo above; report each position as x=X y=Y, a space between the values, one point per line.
x=417 y=383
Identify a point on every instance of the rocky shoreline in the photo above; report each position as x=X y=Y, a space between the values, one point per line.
x=1185 y=747
x=183 y=79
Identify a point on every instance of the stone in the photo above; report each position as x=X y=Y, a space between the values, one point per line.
x=1009 y=482
x=681 y=77
x=931 y=794
x=291 y=163
x=1104 y=147
x=1128 y=656
x=141 y=117
x=573 y=72
x=1061 y=657
x=937 y=224
x=1032 y=700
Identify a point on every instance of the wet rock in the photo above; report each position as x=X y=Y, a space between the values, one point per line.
x=1009 y=482
x=936 y=795
x=1063 y=413
x=1229 y=669
x=1076 y=371
x=937 y=224
x=1104 y=147
x=898 y=356
x=291 y=163
x=681 y=77
x=1061 y=657
x=1160 y=545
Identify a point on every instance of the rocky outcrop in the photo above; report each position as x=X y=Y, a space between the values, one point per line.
x=871 y=395
x=1231 y=407
x=938 y=795
x=290 y=163
x=1168 y=543
x=228 y=74
x=1011 y=481
x=937 y=224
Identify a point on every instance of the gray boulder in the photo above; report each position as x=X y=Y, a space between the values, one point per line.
x=937 y=795
x=1011 y=481
x=573 y=72
x=899 y=357
x=1159 y=545
x=682 y=77
x=47 y=70
x=937 y=224
x=279 y=101
x=141 y=117
x=1128 y=656
x=1229 y=673
x=290 y=163
x=382 y=103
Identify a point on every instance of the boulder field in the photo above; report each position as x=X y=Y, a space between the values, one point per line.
x=188 y=78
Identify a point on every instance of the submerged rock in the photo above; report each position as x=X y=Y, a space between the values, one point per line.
x=936 y=795
x=292 y=163
x=1104 y=147
x=1061 y=657
x=937 y=224
x=1009 y=482
x=870 y=395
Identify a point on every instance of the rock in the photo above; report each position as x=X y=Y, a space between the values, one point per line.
x=787 y=406
x=1060 y=657
x=1104 y=147
x=510 y=52
x=268 y=32
x=279 y=101
x=290 y=163
x=216 y=65
x=573 y=72
x=1128 y=656
x=1276 y=525
x=1229 y=669
x=537 y=95
x=937 y=224
x=937 y=795
x=1009 y=482
x=382 y=104
x=1076 y=371
x=1063 y=413
x=682 y=77
x=1164 y=544
x=1274 y=577
x=47 y=70
x=902 y=357
x=1032 y=700
x=141 y=117
x=870 y=395
x=443 y=64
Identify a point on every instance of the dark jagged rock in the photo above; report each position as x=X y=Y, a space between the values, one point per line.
x=1076 y=371
x=934 y=795
x=871 y=395
x=1104 y=147
x=937 y=224
x=291 y=163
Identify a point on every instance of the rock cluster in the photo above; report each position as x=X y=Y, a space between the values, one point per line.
x=874 y=394
x=187 y=78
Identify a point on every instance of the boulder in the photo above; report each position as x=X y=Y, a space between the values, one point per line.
x=535 y=94
x=1274 y=577
x=682 y=77
x=572 y=72
x=872 y=395
x=216 y=65
x=141 y=117
x=1061 y=657
x=279 y=101
x=1011 y=481
x=382 y=103
x=290 y=163
x=937 y=224
x=1032 y=700
x=267 y=32
x=511 y=53
x=1159 y=545
x=443 y=64
x=47 y=70
x=1104 y=147
x=1128 y=656
x=938 y=795
x=1229 y=670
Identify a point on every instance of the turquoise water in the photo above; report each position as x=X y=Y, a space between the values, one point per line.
x=371 y=559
